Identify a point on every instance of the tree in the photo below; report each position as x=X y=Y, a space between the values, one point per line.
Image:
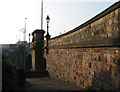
x=9 y=74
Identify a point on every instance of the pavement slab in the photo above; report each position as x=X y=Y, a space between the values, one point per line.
x=48 y=84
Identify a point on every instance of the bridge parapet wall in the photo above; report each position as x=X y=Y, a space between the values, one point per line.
x=89 y=54
x=102 y=30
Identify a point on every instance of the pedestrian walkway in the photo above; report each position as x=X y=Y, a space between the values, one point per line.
x=47 y=84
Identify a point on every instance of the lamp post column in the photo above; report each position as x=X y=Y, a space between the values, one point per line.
x=47 y=36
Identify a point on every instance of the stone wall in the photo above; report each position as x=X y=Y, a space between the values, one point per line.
x=89 y=54
x=85 y=66
x=33 y=60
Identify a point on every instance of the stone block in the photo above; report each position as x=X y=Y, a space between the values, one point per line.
x=116 y=12
x=105 y=86
x=114 y=81
x=119 y=81
x=99 y=84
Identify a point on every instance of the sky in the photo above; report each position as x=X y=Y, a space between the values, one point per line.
x=65 y=15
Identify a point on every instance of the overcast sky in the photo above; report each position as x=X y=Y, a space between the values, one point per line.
x=64 y=16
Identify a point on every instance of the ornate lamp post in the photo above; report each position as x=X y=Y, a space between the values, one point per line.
x=29 y=39
x=47 y=36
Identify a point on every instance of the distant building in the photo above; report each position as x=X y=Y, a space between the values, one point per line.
x=17 y=53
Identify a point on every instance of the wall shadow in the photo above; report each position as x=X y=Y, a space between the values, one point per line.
x=28 y=63
x=44 y=63
x=105 y=81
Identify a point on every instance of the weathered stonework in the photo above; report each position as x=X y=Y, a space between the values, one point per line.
x=33 y=60
x=89 y=54
x=85 y=66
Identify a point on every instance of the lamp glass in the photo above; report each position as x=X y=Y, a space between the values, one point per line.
x=47 y=19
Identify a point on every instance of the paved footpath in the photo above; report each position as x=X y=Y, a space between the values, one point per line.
x=37 y=84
